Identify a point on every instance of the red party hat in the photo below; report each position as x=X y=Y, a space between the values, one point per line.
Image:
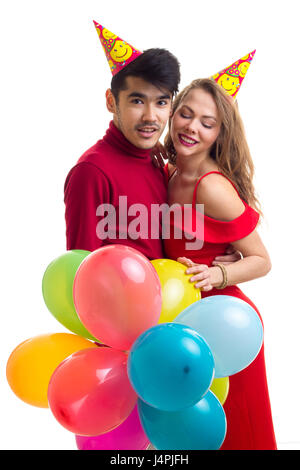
x=231 y=77
x=118 y=52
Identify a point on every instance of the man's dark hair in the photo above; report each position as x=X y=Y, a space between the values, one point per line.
x=156 y=66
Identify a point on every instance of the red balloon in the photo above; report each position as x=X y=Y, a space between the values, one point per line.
x=90 y=394
x=117 y=295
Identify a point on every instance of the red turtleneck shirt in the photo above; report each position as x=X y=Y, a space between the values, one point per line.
x=113 y=167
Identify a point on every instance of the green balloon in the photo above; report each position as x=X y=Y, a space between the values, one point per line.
x=57 y=288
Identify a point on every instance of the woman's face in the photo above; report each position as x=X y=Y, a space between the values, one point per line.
x=195 y=124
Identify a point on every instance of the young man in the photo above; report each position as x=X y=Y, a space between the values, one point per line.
x=120 y=164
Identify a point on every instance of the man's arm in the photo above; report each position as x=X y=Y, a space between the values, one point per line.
x=231 y=255
x=86 y=187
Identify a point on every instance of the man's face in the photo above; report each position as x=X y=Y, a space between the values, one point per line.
x=142 y=112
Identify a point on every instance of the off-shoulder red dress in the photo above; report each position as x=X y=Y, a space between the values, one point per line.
x=247 y=408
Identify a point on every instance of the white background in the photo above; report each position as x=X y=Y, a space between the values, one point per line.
x=53 y=78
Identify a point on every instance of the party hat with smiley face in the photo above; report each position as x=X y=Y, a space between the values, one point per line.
x=231 y=77
x=118 y=52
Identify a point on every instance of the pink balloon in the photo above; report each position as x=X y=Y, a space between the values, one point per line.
x=117 y=295
x=89 y=393
x=128 y=436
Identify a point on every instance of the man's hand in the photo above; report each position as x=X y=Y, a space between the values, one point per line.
x=158 y=155
x=231 y=256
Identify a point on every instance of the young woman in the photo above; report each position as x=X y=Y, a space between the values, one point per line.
x=210 y=164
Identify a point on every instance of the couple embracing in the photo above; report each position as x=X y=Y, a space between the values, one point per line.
x=209 y=164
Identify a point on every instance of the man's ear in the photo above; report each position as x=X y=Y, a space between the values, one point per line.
x=110 y=101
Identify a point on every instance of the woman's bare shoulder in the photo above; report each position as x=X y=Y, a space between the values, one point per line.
x=220 y=199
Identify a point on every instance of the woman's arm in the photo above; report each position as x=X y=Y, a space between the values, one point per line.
x=222 y=202
x=255 y=263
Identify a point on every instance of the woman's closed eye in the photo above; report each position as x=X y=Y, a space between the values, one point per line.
x=185 y=116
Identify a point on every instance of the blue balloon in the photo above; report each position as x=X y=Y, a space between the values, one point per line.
x=200 y=427
x=230 y=326
x=170 y=366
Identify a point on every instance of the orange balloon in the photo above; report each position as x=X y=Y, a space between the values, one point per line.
x=32 y=363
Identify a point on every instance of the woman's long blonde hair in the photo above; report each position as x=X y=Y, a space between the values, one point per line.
x=230 y=151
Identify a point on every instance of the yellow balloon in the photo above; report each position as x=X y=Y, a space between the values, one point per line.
x=177 y=291
x=220 y=387
x=32 y=363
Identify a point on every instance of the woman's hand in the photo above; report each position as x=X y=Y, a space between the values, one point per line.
x=202 y=274
x=158 y=155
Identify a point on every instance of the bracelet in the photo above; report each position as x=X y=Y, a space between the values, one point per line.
x=225 y=280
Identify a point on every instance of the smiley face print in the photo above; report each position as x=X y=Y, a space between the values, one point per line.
x=108 y=34
x=229 y=83
x=121 y=51
x=243 y=68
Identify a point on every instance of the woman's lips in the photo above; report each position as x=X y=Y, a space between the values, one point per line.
x=186 y=140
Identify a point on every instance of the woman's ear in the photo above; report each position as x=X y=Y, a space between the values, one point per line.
x=110 y=101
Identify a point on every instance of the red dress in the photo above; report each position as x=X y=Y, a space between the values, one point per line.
x=247 y=408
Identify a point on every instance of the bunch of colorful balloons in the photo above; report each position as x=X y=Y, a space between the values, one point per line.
x=149 y=360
